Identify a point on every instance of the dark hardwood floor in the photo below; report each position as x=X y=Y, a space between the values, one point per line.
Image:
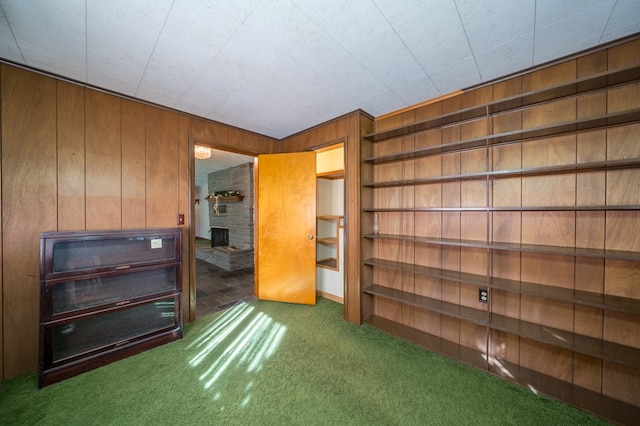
x=217 y=289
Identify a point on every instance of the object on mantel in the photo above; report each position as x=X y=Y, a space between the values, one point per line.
x=225 y=196
x=228 y=196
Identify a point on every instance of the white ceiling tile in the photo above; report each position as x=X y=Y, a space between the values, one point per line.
x=107 y=72
x=49 y=37
x=455 y=77
x=382 y=103
x=624 y=20
x=577 y=31
x=126 y=30
x=491 y=24
x=503 y=59
x=8 y=46
x=549 y=12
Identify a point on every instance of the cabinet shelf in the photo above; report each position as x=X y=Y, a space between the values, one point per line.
x=597 y=348
x=605 y=80
x=579 y=297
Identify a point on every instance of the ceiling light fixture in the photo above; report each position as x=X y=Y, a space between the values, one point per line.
x=202 y=152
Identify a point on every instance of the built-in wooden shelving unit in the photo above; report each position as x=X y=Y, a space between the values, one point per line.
x=507 y=235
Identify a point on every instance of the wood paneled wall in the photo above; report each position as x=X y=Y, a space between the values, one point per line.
x=75 y=158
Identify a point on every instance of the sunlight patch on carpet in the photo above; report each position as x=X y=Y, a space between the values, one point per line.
x=241 y=338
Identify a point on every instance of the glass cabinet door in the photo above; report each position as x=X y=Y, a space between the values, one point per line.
x=120 y=289
x=95 y=253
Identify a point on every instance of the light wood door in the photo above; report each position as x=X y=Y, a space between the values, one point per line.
x=286 y=228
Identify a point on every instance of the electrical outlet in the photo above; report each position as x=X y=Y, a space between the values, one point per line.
x=180 y=219
x=483 y=295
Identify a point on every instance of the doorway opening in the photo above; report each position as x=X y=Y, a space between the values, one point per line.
x=223 y=231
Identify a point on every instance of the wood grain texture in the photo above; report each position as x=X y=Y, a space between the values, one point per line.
x=162 y=172
x=521 y=217
x=103 y=161
x=286 y=216
x=133 y=165
x=28 y=109
x=71 y=156
x=186 y=201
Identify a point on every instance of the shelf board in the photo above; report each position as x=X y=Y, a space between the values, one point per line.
x=622 y=412
x=627 y=163
x=572 y=126
x=475 y=316
x=528 y=248
x=329 y=241
x=500 y=209
x=540 y=333
x=585 y=298
x=583 y=85
x=329 y=217
x=590 y=346
x=330 y=263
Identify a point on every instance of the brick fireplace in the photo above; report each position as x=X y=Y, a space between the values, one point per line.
x=232 y=228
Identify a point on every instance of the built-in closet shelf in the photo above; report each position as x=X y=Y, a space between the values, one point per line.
x=528 y=248
x=529 y=171
x=597 y=348
x=501 y=209
x=328 y=227
x=579 y=297
x=327 y=240
x=605 y=80
x=329 y=263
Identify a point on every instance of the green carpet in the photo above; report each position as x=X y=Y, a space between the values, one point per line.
x=267 y=363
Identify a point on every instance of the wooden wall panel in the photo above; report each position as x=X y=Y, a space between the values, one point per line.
x=355 y=305
x=103 y=161
x=162 y=173
x=624 y=55
x=186 y=202
x=133 y=165
x=28 y=109
x=87 y=160
x=71 y=156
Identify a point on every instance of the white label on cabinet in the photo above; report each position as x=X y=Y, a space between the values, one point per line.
x=156 y=243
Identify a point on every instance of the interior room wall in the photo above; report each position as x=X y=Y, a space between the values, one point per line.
x=202 y=213
x=74 y=158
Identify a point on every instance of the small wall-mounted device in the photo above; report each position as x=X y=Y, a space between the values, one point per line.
x=180 y=219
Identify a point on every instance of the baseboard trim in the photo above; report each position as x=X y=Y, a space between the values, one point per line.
x=330 y=296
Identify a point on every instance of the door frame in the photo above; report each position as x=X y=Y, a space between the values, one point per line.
x=209 y=143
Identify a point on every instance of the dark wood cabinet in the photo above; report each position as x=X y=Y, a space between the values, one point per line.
x=106 y=295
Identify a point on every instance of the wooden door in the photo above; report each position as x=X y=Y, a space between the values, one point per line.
x=286 y=228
